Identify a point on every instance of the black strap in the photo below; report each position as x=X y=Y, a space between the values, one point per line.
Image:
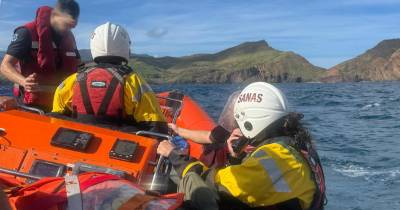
x=120 y=69
x=86 y=66
x=91 y=119
x=311 y=156
x=108 y=97
x=85 y=94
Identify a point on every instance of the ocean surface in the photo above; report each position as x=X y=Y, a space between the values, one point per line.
x=356 y=127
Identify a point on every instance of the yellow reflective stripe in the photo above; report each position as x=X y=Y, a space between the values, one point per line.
x=188 y=167
x=142 y=88
x=273 y=171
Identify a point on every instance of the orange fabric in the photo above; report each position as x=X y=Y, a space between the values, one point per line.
x=49 y=193
x=43 y=194
x=7 y=181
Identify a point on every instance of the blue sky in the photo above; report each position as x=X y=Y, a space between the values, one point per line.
x=324 y=32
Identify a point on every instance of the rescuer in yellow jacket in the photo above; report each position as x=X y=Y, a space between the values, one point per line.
x=278 y=168
x=109 y=90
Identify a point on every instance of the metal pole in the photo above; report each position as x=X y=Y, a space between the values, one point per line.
x=19 y=174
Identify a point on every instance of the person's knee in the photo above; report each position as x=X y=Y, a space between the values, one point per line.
x=198 y=192
x=190 y=180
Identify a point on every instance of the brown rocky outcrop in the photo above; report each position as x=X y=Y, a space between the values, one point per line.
x=377 y=64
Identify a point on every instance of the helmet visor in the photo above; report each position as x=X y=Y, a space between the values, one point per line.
x=226 y=119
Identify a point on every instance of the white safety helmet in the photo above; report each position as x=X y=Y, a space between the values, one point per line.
x=258 y=106
x=110 y=39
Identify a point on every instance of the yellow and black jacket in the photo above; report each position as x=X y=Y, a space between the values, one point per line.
x=272 y=175
x=139 y=102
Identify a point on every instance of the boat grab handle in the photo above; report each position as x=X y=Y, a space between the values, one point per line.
x=163 y=167
x=29 y=108
x=19 y=174
x=150 y=133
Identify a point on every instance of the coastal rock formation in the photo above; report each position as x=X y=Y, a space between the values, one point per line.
x=377 y=64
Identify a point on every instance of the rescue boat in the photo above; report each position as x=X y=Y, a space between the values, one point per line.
x=34 y=146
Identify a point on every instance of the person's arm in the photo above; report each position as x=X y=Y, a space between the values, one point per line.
x=8 y=69
x=217 y=135
x=18 y=50
x=198 y=136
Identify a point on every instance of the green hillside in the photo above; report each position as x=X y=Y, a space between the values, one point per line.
x=248 y=61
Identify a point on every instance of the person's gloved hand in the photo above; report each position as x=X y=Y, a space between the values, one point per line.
x=180 y=142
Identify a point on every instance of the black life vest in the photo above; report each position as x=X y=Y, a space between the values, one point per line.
x=99 y=91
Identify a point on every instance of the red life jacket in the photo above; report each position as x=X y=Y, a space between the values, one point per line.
x=98 y=92
x=310 y=154
x=96 y=191
x=51 y=63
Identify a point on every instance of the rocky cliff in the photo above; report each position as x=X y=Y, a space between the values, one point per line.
x=376 y=64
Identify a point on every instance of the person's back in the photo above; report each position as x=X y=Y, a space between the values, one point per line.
x=109 y=91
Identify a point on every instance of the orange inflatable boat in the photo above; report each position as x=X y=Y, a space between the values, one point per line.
x=34 y=146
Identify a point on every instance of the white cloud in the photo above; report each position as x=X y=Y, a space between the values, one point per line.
x=157 y=32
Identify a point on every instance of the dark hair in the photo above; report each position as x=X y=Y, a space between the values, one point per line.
x=70 y=7
x=292 y=127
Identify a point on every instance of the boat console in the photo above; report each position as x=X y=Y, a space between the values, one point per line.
x=43 y=146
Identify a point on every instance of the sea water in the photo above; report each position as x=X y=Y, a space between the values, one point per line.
x=356 y=127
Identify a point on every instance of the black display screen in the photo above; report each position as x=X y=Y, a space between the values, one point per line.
x=46 y=169
x=71 y=139
x=125 y=148
x=67 y=136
